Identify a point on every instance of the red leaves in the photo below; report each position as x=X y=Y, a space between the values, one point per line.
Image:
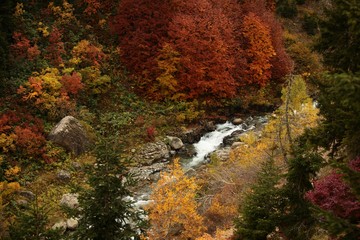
x=22 y=48
x=72 y=83
x=331 y=193
x=55 y=50
x=221 y=46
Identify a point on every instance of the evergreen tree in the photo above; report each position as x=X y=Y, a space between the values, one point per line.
x=260 y=212
x=105 y=211
x=31 y=223
x=340 y=34
x=297 y=221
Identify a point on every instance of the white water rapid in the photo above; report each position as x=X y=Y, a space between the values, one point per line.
x=212 y=140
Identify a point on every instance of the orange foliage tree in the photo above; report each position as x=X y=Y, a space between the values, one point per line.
x=173 y=213
x=258 y=50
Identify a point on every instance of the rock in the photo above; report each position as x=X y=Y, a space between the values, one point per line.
x=72 y=223
x=61 y=225
x=187 y=151
x=223 y=153
x=152 y=152
x=233 y=137
x=175 y=143
x=147 y=174
x=63 y=175
x=22 y=202
x=70 y=200
x=27 y=194
x=76 y=165
x=71 y=135
x=237 y=144
x=237 y=121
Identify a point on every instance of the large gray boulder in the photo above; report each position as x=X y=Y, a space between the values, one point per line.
x=71 y=135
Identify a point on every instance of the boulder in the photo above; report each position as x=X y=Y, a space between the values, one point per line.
x=28 y=195
x=237 y=144
x=175 y=143
x=233 y=137
x=72 y=223
x=70 y=200
x=223 y=153
x=147 y=174
x=152 y=152
x=71 y=135
x=63 y=175
x=237 y=121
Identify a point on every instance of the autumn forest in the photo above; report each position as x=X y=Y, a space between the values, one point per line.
x=104 y=105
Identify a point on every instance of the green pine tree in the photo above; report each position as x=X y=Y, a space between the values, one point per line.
x=104 y=211
x=261 y=210
x=31 y=223
x=340 y=35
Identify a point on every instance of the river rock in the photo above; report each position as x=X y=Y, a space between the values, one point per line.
x=175 y=142
x=237 y=121
x=27 y=194
x=237 y=144
x=152 y=152
x=233 y=137
x=70 y=200
x=223 y=153
x=71 y=135
x=72 y=223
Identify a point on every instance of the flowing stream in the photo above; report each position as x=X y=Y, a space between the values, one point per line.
x=212 y=141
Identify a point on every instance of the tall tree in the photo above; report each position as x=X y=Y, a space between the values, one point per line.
x=340 y=35
x=105 y=209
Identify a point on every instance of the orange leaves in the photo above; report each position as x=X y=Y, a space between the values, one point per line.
x=259 y=50
x=87 y=54
x=50 y=89
x=174 y=207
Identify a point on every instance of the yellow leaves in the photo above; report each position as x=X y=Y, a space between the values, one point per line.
x=7 y=142
x=12 y=173
x=64 y=13
x=43 y=29
x=19 y=10
x=174 y=206
x=167 y=61
x=94 y=81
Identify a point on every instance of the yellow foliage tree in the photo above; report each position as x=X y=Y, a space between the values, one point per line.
x=173 y=213
x=167 y=61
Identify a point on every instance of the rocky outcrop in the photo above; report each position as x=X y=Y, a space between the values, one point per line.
x=71 y=135
x=152 y=153
x=193 y=134
x=147 y=174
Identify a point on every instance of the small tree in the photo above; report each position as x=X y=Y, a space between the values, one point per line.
x=261 y=210
x=174 y=207
x=31 y=223
x=105 y=212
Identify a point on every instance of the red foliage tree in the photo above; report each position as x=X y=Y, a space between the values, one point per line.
x=26 y=132
x=142 y=27
x=22 y=47
x=203 y=35
x=71 y=83
x=332 y=194
x=55 y=49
